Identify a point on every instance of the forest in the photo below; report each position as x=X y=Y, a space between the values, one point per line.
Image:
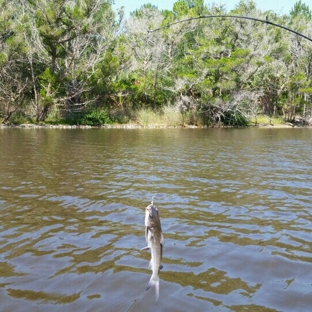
x=82 y=62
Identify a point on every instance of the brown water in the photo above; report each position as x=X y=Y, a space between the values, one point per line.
x=235 y=206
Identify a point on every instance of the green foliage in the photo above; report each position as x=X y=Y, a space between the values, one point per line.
x=20 y=118
x=245 y=6
x=54 y=117
x=306 y=90
x=169 y=116
x=264 y=119
x=59 y=56
x=145 y=7
x=301 y=10
x=121 y=115
x=95 y=117
x=234 y=119
x=90 y=117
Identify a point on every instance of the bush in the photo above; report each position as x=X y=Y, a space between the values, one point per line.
x=95 y=117
x=168 y=116
x=146 y=117
x=54 y=117
x=235 y=119
x=19 y=118
x=120 y=116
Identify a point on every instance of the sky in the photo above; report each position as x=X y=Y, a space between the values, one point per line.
x=277 y=6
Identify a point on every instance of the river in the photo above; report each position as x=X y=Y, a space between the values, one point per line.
x=235 y=207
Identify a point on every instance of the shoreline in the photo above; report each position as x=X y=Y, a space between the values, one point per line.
x=137 y=126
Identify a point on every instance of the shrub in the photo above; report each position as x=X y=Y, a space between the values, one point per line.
x=95 y=117
x=19 y=118
x=168 y=116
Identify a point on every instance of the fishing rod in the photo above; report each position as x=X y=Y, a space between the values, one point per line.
x=266 y=21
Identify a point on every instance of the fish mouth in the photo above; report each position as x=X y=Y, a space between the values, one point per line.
x=149 y=211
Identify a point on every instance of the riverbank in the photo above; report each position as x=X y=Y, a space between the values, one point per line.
x=137 y=126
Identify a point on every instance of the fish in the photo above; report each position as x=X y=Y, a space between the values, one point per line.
x=155 y=241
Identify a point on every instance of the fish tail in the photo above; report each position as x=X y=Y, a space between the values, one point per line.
x=157 y=290
x=154 y=283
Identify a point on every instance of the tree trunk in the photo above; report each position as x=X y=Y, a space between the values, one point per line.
x=8 y=116
x=43 y=114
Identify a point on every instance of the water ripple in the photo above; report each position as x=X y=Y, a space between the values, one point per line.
x=235 y=207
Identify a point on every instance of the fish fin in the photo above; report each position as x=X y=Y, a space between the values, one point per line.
x=162 y=240
x=146 y=233
x=145 y=248
x=154 y=283
x=157 y=290
x=161 y=251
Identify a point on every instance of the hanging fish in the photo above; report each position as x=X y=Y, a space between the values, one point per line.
x=155 y=240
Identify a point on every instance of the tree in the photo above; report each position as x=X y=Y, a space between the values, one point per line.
x=300 y=67
x=148 y=65
x=75 y=56
x=74 y=39
x=13 y=75
x=302 y=10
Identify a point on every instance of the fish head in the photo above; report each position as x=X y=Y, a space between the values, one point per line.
x=151 y=216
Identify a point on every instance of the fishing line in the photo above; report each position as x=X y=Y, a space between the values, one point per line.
x=152 y=202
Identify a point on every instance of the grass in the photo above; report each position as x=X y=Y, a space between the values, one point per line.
x=169 y=116
x=19 y=118
x=264 y=119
